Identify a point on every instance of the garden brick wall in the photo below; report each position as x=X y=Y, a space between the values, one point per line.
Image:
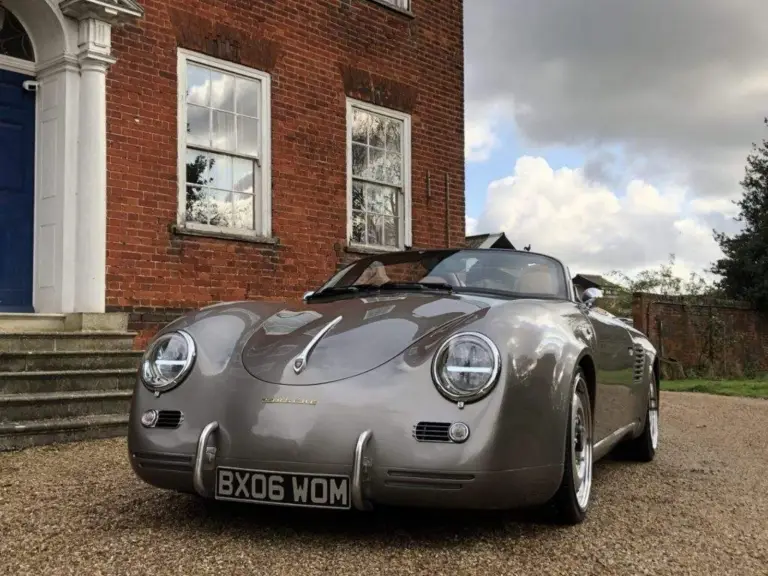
x=317 y=52
x=707 y=336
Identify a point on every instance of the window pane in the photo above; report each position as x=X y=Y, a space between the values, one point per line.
x=243 y=211
x=376 y=161
x=359 y=127
x=358 y=227
x=377 y=132
x=243 y=175
x=359 y=160
x=374 y=229
x=248 y=136
x=248 y=97
x=358 y=201
x=213 y=207
x=221 y=171
x=223 y=131
x=373 y=197
x=390 y=231
x=389 y=198
x=198 y=85
x=197 y=168
x=198 y=126
x=394 y=129
x=223 y=91
x=393 y=169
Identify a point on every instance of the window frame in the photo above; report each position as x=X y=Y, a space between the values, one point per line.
x=405 y=233
x=264 y=160
x=408 y=10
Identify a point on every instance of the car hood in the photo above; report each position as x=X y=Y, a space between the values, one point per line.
x=368 y=332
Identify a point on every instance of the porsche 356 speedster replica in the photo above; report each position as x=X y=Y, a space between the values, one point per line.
x=450 y=378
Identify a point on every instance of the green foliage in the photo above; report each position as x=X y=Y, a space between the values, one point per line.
x=661 y=280
x=744 y=268
x=754 y=388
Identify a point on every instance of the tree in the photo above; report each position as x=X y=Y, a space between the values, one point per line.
x=661 y=280
x=744 y=268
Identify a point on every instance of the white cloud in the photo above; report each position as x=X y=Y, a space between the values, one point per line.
x=723 y=206
x=479 y=141
x=563 y=213
x=680 y=86
x=470 y=226
x=481 y=130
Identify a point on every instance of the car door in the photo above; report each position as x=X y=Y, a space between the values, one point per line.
x=614 y=363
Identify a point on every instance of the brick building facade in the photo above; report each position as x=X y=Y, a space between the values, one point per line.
x=186 y=152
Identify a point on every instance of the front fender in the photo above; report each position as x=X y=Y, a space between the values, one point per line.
x=541 y=344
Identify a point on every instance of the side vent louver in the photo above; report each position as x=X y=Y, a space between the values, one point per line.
x=169 y=419
x=432 y=431
x=639 y=368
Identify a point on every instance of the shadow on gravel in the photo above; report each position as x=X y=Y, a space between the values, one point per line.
x=171 y=513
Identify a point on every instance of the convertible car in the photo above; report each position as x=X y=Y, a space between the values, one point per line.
x=452 y=378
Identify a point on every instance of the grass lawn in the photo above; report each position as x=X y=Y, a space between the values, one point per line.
x=750 y=388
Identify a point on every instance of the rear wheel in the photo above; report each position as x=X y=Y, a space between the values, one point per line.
x=572 y=498
x=643 y=448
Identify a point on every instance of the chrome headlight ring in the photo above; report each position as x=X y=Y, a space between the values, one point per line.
x=486 y=374
x=159 y=374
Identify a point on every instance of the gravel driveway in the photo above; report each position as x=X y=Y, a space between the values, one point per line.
x=700 y=508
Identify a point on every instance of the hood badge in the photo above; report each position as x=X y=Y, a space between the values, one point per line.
x=282 y=400
x=300 y=361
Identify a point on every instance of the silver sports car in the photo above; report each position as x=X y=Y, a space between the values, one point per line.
x=434 y=378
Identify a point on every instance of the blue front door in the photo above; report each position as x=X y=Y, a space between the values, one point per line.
x=17 y=192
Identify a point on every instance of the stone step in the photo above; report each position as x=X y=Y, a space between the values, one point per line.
x=34 y=382
x=61 y=405
x=19 y=435
x=32 y=322
x=80 y=321
x=65 y=341
x=69 y=360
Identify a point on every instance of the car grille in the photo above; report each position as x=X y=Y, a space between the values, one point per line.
x=169 y=419
x=432 y=431
x=639 y=368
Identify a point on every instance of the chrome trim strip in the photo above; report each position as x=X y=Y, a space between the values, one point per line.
x=197 y=474
x=357 y=471
x=601 y=448
x=300 y=361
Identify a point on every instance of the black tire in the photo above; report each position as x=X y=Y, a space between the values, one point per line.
x=643 y=448
x=566 y=501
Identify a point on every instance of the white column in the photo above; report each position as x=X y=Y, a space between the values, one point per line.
x=91 y=245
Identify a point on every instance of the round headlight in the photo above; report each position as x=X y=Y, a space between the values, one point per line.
x=466 y=367
x=167 y=361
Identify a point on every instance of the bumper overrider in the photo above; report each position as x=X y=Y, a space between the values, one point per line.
x=205 y=460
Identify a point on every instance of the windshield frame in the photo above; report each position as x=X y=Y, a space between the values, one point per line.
x=366 y=261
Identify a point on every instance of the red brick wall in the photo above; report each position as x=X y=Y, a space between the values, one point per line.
x=316 y=52
x=707 y=336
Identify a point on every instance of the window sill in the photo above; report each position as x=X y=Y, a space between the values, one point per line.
x=363 y=249
x=184 y=231
x=388 y=6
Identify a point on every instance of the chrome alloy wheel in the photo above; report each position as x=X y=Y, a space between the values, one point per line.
x=581 y=445
x=653 y=414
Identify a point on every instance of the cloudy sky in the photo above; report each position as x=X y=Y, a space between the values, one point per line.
x=612 y=133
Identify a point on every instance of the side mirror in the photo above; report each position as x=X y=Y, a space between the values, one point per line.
x=590 y=295
x=307 y=295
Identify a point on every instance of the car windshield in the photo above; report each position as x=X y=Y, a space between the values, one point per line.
x=500 y=272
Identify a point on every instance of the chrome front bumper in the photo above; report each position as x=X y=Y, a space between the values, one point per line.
x=205 y=459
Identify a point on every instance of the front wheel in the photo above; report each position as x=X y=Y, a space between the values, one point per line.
x=572 y=498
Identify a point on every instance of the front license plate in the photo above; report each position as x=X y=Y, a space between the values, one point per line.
x=286 y=489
